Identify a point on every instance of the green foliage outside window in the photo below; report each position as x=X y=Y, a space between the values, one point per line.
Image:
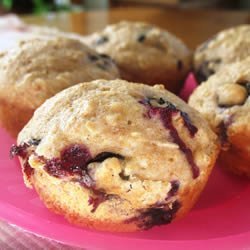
x=33 y=6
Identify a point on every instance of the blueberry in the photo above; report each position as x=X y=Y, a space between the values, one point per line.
x=105 y=155
x=204 y=71
x=34 y=142
x=155 y=216
x=174 y=189
x=93 y=58
x=179 y=65
x=225 y=144
x=165 y=114
x=105 y=56
x=101 y=40
x=161 y=101
x=141 y=38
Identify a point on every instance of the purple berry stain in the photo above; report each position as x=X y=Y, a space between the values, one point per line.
x=20 y=150
x=23 y=151
x=155 y=216
x=174 y=189
x=165 y=114
x=222 y=129
x=75 y=158
x=96 y=200
x=74 y=161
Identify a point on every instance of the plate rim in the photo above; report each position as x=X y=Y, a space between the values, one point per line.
x=241 y=240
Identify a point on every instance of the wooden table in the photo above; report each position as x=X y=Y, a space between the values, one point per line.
x=193 y=26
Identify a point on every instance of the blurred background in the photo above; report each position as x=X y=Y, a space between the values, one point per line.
x=43 y=6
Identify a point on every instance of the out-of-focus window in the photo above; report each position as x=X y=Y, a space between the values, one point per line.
x=41 y=6
x=232 y=4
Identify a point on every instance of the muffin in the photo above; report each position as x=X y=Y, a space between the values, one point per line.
x=224 y=101
x=228 y=46
x=144 y=53
x=13 y=30
x=36 y=69
x=117 y=156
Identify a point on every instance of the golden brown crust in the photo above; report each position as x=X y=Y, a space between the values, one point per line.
x=237 y=157
x=152 y=76
x=55 y=202
x=148 y=180
x=13 y=116
x=37 y=69
x=57 y=197
x=224 y=101
x=226 y=47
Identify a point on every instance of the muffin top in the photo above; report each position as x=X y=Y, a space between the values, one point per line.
x=13 y=30
x=224 y=99
x=140 y=143
x=36 y=69
x=228 y=46
x=143 y=52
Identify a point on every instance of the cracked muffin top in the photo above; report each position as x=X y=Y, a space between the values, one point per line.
x=228 y=46
x=134 y=141
x=144 y=53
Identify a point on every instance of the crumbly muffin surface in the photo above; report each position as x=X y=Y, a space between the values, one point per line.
x=228 y=46
x=138 y=155
x=144 y=53
x=224 y=101
x=36 y=69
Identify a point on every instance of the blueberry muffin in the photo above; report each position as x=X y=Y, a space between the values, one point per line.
x=224 y=101
x=228 y=46
x=36 y=69
x=144 y=53
x=117 y=156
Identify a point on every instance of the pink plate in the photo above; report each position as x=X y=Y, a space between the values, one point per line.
x=220 y=219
